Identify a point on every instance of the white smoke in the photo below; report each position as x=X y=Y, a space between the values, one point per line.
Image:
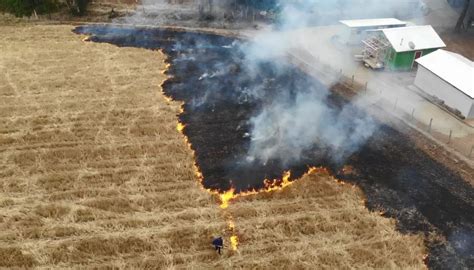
x=166 y=12
x=286 y=128
x=322 y=12
x=293 y=13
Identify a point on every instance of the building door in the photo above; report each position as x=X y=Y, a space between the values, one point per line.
x=418 y=54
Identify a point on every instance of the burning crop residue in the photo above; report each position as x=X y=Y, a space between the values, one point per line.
x=180 y=127
x=221 y=110
x=269 y=186
x=226 y=197
x=234 y=239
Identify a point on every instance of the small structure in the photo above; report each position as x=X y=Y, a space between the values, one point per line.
x=449 y=77
x=374 y=52
x=357 y=30
x=408 y=44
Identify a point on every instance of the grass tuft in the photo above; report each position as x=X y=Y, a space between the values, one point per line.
x=14 y=257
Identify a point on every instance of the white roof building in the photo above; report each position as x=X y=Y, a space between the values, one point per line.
x=357 y=30
x=373 y=23
x=449 y=77
x=453 y=68
x=413 y=38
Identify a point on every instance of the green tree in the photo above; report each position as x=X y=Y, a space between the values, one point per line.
x=78 y=7
x=22 y=8
x=461 y=21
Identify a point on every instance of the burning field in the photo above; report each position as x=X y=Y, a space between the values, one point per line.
x=95 y=171
x=232 y=116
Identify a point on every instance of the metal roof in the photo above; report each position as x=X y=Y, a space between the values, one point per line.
x=373 y=22
x=452 y=68
x=412 y=38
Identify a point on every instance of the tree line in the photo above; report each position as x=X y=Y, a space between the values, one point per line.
x=235 y=9
x=21 y=8
x=465 y=20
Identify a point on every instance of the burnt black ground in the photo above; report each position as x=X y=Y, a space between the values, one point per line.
x=209 y=76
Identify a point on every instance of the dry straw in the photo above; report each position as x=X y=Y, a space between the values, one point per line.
x=93 y=173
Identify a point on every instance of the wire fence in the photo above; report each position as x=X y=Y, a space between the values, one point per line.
x=460 y=141
x=330 y=75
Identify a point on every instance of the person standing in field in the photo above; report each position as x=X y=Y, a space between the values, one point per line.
x=218 y=244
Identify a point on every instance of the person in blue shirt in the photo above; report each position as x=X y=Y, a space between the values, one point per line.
x=218 y=244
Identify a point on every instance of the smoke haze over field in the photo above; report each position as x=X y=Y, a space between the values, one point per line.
x=293 y=13
x=284 y=129
x=287 y=126
x=321 y=12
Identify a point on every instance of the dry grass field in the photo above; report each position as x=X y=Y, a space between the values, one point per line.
x=93 y=173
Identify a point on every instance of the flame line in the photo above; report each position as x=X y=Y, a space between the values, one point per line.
x=230 y=195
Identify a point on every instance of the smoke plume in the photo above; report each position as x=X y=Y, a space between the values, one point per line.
x=287 y=127
x=284 y=129
x=293 y=13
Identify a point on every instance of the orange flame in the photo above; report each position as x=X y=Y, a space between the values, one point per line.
x=167 y=66
x=274 y=185
x=234 y=242
x=226 y=197
x=168 y=99
x=180 y=127
x=270 y=186
x=234 y=239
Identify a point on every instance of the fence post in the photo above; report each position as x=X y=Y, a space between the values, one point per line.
x=413 y=114
x=450 y=135
x=352 y=84
x=431 y=123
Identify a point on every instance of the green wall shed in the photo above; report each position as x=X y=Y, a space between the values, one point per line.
x=404 y=60
x=408 y=44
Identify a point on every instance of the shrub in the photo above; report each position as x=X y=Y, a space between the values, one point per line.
x=22 y=8
x=78 y=7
